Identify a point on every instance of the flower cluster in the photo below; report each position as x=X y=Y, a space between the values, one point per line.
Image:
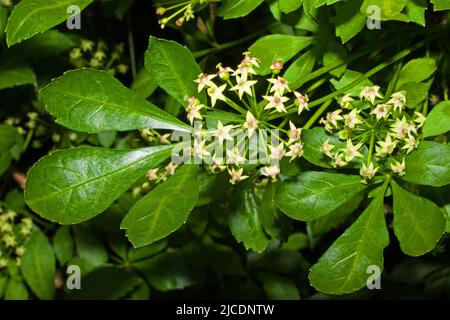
x=14 y=230
x=381 y=128
x=246 y=136
x=179 y=11
x=6 y=3
x=99 y=56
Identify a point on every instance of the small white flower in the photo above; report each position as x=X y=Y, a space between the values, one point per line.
x=327 y=124
x=250 y=60
x=346 y=102
x=243 y=85
x=334 y=117
x=199 y=149
x=370 y=93
x=381 y=111
x=294 y=132
x=223 y=72
x=326 y=148
x=234 y=157
x=193 y=112
x=367 y=172
x=295 y=151
x=420 y=119
x=222 y=132
x=398 y=100
x=410 y=144
x=398 y=167
x=400 y=128
x=251 y=124
x=276 y=101
x=216 y=93
x=385 y=147
x=351 y=119
x=217 y=164
x=276 y=66
x=351 y=151
x=279 y=85
x=236 y=175
x=152 y=174
x=277 y=152
x=301 y=101
x=204 y=80
x=271 y=172
x=339 y=160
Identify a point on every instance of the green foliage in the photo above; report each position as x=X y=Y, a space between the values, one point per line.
x=312 y=195
x=30 y=17
x=156 y=215
x=74 y=185
x=342 y=268
x=89 y=120
x=105 y=103
x=38 y=265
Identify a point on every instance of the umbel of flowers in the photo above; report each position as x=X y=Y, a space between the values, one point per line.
x=234 y=143
x=179 y=11
x=14 y=230
x=384 y=128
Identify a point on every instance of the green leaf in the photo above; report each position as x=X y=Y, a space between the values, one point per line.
x=10 y=142
x=415 y=10
x=92 y=101
x=31 y=17
x=3 y=280
x=107 y=138
x=418 y=222
x=441 y=4
x=342 y=268
x=416 y=70
x=3 y=19
x=156 y=215
x=74 y=185
x=272 y=220
x=312 y=141
x=16 y=290
x=109 y=283
x=38 y=265
x=389 y=9
x=300 y=68
x=89 y=247
x=288 y=6
x=349 y=20
x=429 y=165
x=331 y=221
x=174 y=69
x=168 y=271
x=245 y=221
x=51 y=43
x=349 y=77
x=277 y=46
x=416 y=93
x=438 y=120
x=63 y=245
x=312 y=195
x=279 y=287
x=237 y=8
x=16 y=74
x=144 y=84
